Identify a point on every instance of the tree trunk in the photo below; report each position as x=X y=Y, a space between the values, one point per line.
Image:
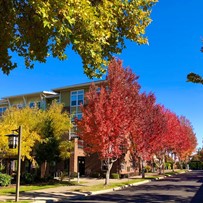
x=109 y=166
x=140 y=167
x=160 y=166
x=159 y=170
x=163 y=165
x=143 y=170
x=43 y=169
x=152 y=165
x=181 y=165
x=173 y=166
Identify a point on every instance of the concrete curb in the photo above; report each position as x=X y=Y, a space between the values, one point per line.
x=117 y=188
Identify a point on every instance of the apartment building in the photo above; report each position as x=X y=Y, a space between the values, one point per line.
x=71 y=97
x=38 y=99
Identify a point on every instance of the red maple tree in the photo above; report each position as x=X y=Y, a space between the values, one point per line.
x=118 y=118
x=179 y=138
x=187 y=142
x=149 y=125
x=107 y=115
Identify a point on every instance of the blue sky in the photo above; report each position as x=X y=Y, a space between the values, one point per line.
x=174 y=51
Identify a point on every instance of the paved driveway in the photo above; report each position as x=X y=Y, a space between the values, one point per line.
x=184 y=188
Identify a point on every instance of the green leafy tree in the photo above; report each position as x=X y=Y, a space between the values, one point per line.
x=195 y=78
x=95 y=29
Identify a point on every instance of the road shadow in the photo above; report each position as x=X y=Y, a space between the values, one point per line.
x=198 y=198
x=177 y=189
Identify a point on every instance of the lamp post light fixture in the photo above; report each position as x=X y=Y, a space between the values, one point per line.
x=15 y=141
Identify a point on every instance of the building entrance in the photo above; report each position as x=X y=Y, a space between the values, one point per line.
x=81 y=165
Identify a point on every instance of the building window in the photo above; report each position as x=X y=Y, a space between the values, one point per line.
x=32 y=104
x=35 y=104
x=77 y=98
x=20 y=106
x=80 y=144
x=2 y=110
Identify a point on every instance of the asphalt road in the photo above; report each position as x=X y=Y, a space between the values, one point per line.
x=184 y=188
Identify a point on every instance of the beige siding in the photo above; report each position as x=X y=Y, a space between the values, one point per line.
x=32 y=99
x=15 y=101
x=65 y=98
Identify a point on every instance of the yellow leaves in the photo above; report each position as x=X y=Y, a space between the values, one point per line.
x=95 y=28
x=33 y=121
x=54 y=130
x=12 y=119
x=65 y=148
x=60 y=121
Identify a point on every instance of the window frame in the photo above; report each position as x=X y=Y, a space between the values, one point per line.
x=77 y=94
x=3 y=109
x=76 y=112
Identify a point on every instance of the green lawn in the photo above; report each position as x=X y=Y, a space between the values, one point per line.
x=18 y=201
x=12 y=189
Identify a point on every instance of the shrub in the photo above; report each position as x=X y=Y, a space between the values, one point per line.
x=5 y=179
x=95 y=175
x=168 y=165
x=115 y=176
x=124 y=176
x=196 y=165
x=28 y=178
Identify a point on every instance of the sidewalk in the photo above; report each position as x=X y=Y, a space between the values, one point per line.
x=66 y=193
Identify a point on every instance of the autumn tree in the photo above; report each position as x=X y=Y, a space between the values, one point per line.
x=54 y=131
x=12 y=119
x=172 y=130
x=158 y=148
x=172 y=133
x=39 y=126
x=95 y=29
x=187 y=140
x=178 y=138
x=106 y=115
x=148 y=127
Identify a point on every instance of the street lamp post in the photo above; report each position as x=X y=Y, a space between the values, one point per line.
x=14 y=141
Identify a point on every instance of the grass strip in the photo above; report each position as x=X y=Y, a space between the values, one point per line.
x=24 y=201
x=100 y=187
x=12 y=189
